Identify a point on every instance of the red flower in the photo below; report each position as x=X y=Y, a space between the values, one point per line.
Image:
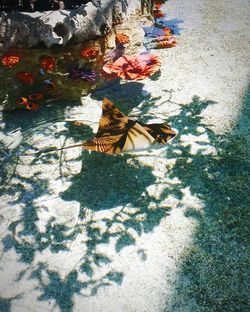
x=48 y=63
x=26 y=77
x=32 y=106
x=134 y=67
x=158 y=14
x=10 y=60
x=21 y=101
x=89 y=53
x=122 y=39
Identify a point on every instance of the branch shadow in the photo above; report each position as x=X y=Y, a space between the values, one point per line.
x=115 y=206
x=214 y=272
x=99 y=187
x=126 y=96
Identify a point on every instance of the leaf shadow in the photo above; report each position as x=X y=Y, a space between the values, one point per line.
x=115 y=205
x=214 y=272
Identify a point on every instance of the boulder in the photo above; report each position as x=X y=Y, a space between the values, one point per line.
x=91 y=20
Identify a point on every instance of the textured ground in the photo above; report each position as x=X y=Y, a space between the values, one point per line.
x=162 y=230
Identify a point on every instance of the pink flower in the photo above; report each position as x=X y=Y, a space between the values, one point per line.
x=135 y=67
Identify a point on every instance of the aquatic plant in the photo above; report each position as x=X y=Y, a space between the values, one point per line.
x=161 y=42
x=158 y=13
x=36 y=96
x=21 y=101
x=153 y=31
x=49 y=85
x=32 y=106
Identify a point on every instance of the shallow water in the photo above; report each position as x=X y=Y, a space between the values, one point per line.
x=72 y=214
x=124 y=232
x=74 y=222
x=55 y=85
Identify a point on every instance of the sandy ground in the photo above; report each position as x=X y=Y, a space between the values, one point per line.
x=87 y=232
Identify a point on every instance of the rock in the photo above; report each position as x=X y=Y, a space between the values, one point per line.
x=95 y=19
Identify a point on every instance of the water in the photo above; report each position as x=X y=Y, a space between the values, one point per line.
x=72 y=214
x=82 y=229
x=72 y=222
x=57 y=84
x=59 y=92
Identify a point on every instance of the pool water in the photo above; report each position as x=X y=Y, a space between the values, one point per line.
x=59 y=83
x=140 y=231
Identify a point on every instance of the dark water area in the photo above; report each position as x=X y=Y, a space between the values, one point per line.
x=214 y=272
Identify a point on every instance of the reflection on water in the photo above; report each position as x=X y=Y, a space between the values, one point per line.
x=54 y=74
x=45 y=81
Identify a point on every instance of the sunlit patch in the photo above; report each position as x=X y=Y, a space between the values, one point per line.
x=26 y=77
x=198 y=144
x=10 y=60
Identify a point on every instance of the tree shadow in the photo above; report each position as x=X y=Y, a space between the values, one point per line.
x=126 y=96
x=127 y=181
x=214 y=272
x=29 y=123
x=115 y=206
x=5 y=304
x=108 y=181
